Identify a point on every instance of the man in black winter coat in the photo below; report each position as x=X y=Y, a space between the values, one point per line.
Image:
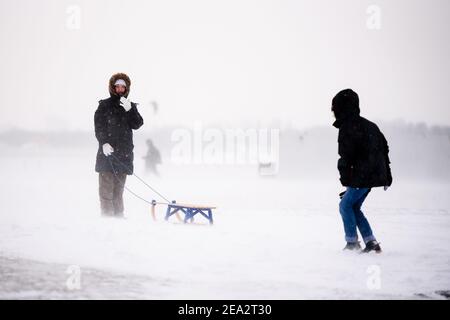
x=363 y=164
x=115 y=119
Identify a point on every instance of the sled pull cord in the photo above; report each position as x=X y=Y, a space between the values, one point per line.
x=145 y=183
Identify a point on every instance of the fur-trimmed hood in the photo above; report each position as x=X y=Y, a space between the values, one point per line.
x=114 y=78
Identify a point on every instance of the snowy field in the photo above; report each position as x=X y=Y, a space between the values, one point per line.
x=215 y=78
x=272 y=238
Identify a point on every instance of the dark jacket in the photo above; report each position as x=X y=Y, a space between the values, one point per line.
x=364 y=153
x=115 y=126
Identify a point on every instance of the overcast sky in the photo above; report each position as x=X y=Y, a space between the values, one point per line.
x=223 y=61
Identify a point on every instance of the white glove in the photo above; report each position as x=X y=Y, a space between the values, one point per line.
x=107 y=149
x=125 y=103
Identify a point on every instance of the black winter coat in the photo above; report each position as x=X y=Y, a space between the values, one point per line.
x=115 y=126
x=364 y=153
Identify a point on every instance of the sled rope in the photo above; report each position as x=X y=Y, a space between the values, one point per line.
x=172 y=207
x=145 y=183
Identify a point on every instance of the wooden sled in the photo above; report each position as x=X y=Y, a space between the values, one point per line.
x=189 y=210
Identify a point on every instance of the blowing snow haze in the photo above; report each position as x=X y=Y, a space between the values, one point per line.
x=223 y=61
x=224 y=66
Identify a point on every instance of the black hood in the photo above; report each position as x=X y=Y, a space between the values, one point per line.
x=345 y=105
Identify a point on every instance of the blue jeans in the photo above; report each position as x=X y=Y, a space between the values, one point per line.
x=353 y=217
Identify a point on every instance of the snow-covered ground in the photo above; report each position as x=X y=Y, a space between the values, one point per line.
x=272 y=238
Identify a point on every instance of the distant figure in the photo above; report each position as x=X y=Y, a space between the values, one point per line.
x=363 y=164
x=114 y=121
x=153 y=158
x=154 y=106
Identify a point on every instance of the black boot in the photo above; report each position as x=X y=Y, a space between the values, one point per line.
x=372 y=246
x=352 y=246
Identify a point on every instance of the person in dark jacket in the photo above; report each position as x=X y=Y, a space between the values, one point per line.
x=152 y=158
x=115 y=119
x=363 y=164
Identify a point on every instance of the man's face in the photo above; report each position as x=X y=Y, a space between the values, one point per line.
x=120 y=90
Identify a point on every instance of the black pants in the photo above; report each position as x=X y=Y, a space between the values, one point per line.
x=111 y=193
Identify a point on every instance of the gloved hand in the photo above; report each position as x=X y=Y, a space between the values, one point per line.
x=385 y=188
x=341 y=195
x=125 y=103
x=107 y=149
